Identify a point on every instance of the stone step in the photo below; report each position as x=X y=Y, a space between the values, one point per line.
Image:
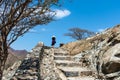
x=81 y=78
x=75 y=71
x=61 y=54
x=71 y=74
x=62 y=58
x=73 y=68
x=69 y=63
x=71 y=71
x=60 y=73
x=60 y=51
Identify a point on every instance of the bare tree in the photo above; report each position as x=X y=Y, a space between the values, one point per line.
x=78 y=34
x=17 y=17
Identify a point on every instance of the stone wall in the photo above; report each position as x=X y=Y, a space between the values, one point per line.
x=47 y=65
x=38 y=65
x=29 y=68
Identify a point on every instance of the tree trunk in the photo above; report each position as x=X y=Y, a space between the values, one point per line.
x=3 y=53
x=3 y=58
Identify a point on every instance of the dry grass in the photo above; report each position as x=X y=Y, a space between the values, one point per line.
x=78 y=46
x=86 y=44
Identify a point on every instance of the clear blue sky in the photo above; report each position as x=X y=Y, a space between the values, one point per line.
x=93 y=15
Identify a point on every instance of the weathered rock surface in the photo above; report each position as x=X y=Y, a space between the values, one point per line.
x=47 y=66
x=94 y=58
x=101 y=51
x=112 y=62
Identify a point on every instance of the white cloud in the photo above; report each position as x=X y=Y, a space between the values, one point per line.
x=37 y=31
x=61 y=13
x=58 y=13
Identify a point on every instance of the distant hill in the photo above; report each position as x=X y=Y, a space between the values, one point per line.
x=19 y=53
x=15 y=55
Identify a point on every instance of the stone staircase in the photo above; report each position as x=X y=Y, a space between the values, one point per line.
x=70 y=68
x=51 y=64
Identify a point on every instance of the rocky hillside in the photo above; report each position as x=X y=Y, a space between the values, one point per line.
x=102 y=51
x=109 y=36
x=94 y=58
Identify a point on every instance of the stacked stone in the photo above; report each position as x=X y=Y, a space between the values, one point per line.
x=38 y=65
x=71 y=69
x=47 y=66
x=29 y=69
x=11 y=71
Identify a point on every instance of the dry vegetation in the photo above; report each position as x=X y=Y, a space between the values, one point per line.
x=77 y=47
x=86 y=44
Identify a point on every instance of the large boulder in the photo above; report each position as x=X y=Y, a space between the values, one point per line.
x=111 y=59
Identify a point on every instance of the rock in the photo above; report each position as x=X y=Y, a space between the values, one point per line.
x=40 y=44
x=111 y=60
x=102 y=51
x=61 y=44
x=86 y=73
x=95 y=57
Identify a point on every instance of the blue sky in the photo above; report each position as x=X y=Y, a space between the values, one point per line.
x=93 y=15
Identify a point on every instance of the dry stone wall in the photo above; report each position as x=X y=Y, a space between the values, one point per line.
x=29 y=68
x=38 y=65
